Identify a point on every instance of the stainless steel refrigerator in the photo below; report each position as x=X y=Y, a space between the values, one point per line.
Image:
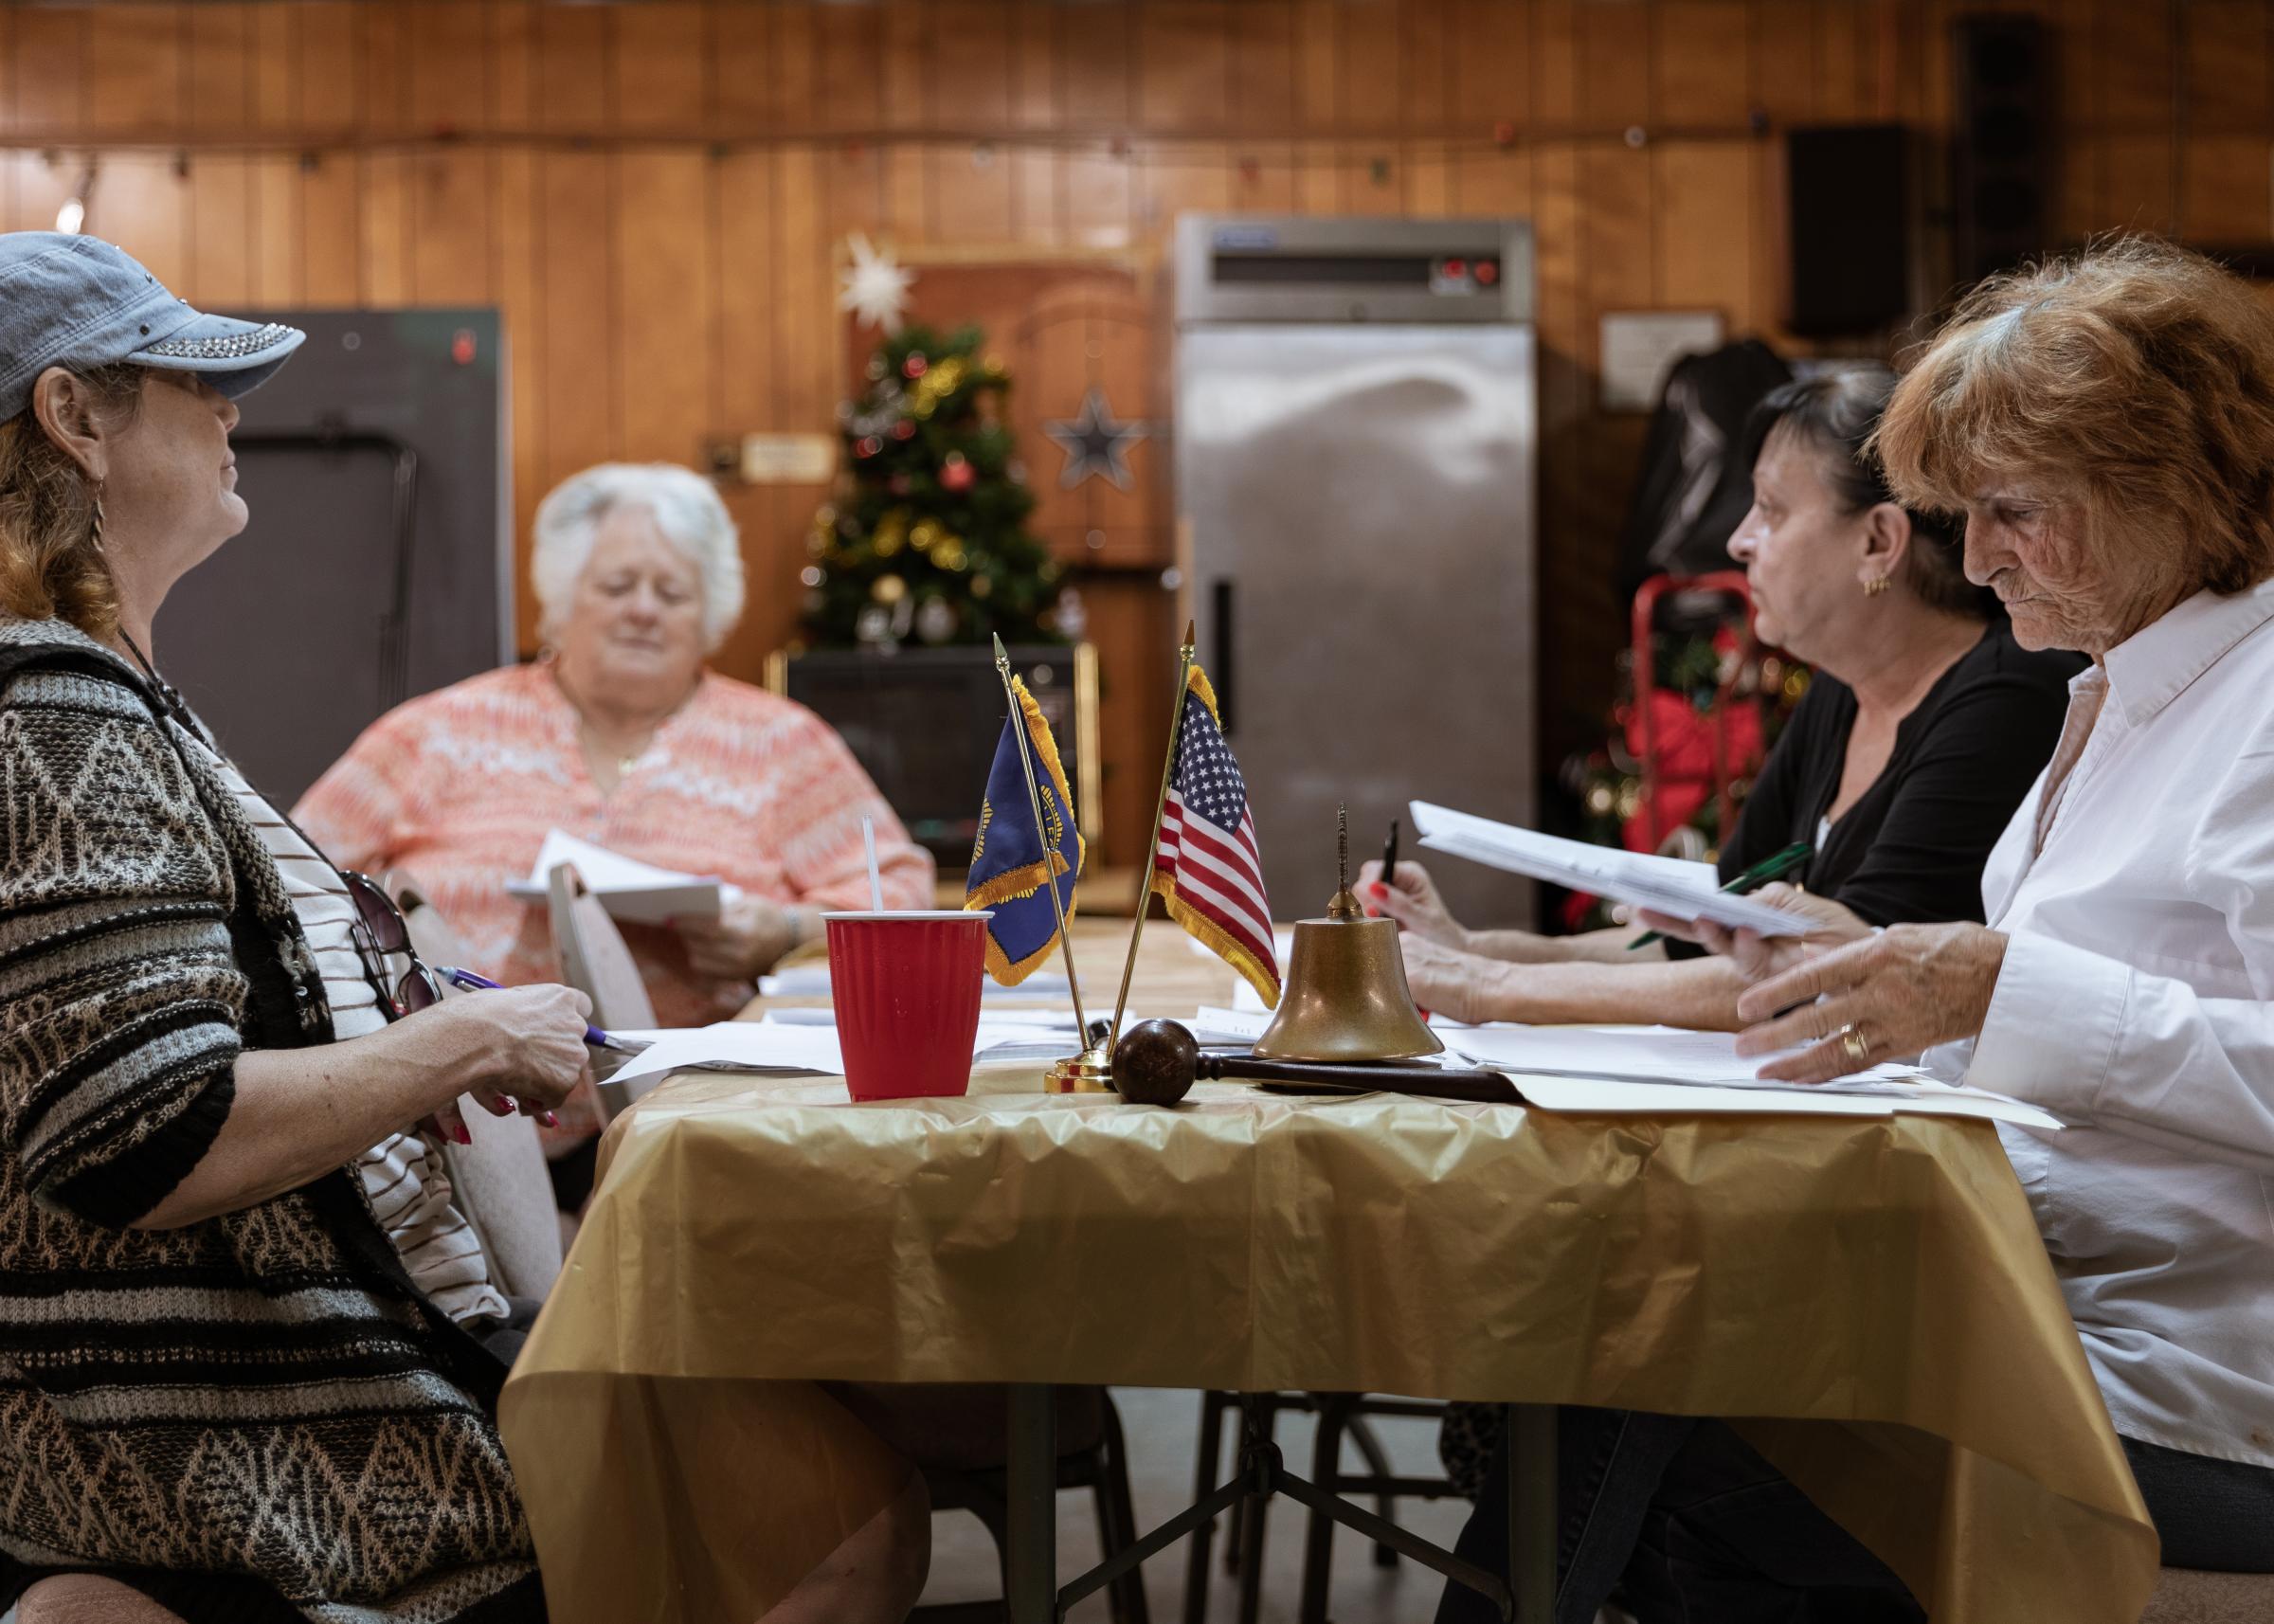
x=1356 y=433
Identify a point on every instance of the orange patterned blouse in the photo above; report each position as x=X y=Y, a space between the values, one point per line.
x=459 y=787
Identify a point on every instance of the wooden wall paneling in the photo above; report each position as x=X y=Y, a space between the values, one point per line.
x=1038 y=194
x=1703 y=195
x=1183 y=65
x=1034 y=65
x=667 y=266
x=1318 y=66
x=906 y=66
x=2225 y=184
x=1259 y=46
x=1492 y=64
x=1095 y=47
x=791 y=68
x=1132 y=621
x=447 y=67
x=452 y=259
x=969 y=186
x=1370 y=67
x=1426 y=51
x=1555 y=64
x=1703 y=65
x=134 y=74
x=1843 y=70
x=661 y=60
x=221 y=64
x=1428 y=192
x=38 y=189
x=2225 y=50
x=2140 y=183
x=1181 y=177
x=1370 y=178
x=12 y=166
x=805 y=348
x=573 y=68
x=1491 y=181
x=2136 y=66
x=577 y=339
x=745 y=81
x=1318 y=179
x=514 y=60
x=516 y=244
x=331 y=193
x=1263 y=180
x=221 y=210
x=386 y=242
x=1784 y=60
x=853 y=189
x=858 y=85
x=140 y=205
x=49 y=70
x=1615 y=55
x=970 y=64
x=1617 y=236
x=1129 y=529
x=274 y=44
x=327 y=90
x=908 y=190
x=745 y=381
x=1098 y=204
x=383 y=62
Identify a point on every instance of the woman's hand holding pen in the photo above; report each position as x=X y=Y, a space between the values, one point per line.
x=1412 y=899
x=520 y=1048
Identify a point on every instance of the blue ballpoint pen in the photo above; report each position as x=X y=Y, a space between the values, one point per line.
x=593 y=1034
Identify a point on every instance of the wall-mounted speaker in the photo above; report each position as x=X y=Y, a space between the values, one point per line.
x=1850 y=214
x=2001 y=177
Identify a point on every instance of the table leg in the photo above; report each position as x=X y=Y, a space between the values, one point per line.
x=1533 y=1511
x=1032 y=1461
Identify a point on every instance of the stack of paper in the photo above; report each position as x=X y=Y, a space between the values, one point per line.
x=627 y=888
x=1667 y=885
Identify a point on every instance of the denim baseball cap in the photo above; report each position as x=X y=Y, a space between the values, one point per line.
x=82 y=303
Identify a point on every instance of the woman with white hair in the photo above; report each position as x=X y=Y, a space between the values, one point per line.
x=619 y=735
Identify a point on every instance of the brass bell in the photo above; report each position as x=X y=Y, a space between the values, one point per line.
x=1346 y=997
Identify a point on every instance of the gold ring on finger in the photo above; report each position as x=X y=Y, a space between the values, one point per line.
x=1855 y=1044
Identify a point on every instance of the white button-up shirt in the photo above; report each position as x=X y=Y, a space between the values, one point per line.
x=2137 y=1004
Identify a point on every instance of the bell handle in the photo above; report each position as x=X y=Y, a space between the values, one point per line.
x=1434 y=1082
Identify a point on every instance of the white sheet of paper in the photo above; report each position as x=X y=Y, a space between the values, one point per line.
x=1681 y=890
x=1586 y=1096
x=627 y=888
x=812 y=980
x=784 y=1047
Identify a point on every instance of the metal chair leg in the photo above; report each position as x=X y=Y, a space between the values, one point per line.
x=1213 y=1406
x=1318 y=1539
x=1377 y=1462
x=1117 y=1525
x=1261 y=1425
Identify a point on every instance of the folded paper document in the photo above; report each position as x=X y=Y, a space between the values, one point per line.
x=1665 y=885
x=627 y=888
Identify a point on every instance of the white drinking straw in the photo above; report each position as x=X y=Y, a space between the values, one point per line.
x=868 y=838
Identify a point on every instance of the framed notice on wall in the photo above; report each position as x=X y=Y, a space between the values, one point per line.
x=1640 y=348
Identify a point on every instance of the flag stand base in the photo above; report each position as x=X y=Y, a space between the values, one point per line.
x=1089 y=1073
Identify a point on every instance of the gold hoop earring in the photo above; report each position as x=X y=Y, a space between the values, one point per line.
x=1874 y=587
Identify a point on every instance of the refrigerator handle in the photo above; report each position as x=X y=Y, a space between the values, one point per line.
x=1219 y=662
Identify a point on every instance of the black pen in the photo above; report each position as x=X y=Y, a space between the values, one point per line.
x=1389 y=856
x=1770 y=868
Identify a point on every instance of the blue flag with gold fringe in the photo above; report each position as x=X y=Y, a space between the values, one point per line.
x=1007 y=863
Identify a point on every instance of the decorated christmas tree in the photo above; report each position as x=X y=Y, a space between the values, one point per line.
x=925 y=538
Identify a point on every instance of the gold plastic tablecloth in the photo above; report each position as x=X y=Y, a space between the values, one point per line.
x=1874 y=1289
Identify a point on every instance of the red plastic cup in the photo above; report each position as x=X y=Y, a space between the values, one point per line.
x=907 y=986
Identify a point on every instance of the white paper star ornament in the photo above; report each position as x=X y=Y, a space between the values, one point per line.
x=874 y=286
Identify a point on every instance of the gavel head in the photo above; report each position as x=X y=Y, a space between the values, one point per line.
x=1156 y=1062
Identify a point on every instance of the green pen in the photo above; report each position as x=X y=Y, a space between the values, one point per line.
x=1752 y=879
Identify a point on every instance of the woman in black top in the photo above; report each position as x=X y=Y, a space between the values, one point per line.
x=1923 y=731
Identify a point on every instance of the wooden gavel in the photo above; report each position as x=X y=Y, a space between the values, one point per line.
x=1157 y=1062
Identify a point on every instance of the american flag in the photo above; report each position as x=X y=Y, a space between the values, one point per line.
x=1208 y=871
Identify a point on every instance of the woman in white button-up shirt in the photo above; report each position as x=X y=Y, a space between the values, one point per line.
x=2107 y=424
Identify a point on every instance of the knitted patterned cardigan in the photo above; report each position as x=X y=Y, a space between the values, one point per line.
x=262 y=1392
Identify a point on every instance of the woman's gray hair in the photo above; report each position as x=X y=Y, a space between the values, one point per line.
x=686 y=509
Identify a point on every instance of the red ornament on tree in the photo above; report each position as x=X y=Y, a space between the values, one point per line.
x=905 y=428
x=956 y=474
x=915 y=365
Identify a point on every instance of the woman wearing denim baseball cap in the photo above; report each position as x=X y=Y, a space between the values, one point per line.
x=225 y=1391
